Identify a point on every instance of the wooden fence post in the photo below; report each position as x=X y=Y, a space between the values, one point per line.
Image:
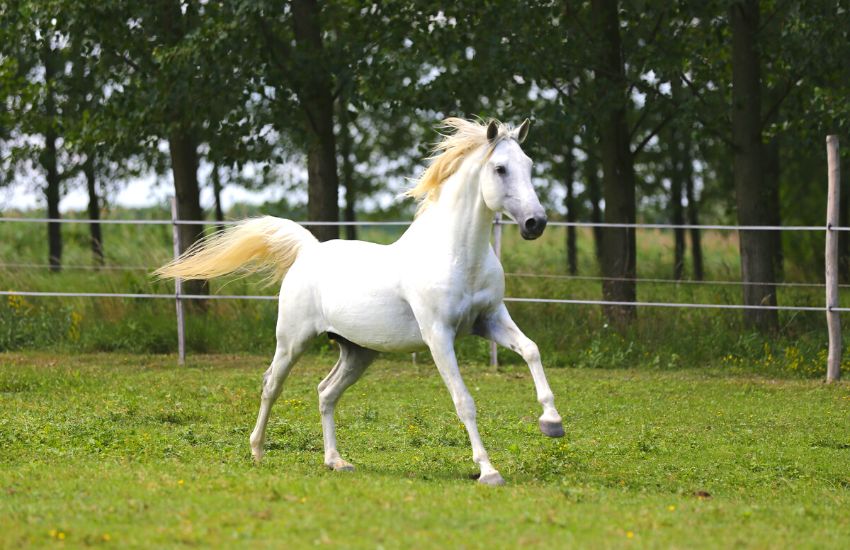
x=497 y=247
x=178 y=288
x=833 y=319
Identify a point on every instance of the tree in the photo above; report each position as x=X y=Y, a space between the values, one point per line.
x=32 y=45
x=757 y=247
x=165 y=86
x=681 y=168
x=317 y=101
x=296 y=61
x=51 y=64
x=618 y=176
x=571 y=205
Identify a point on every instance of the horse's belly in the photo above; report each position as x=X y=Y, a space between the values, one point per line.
x=364 y=306
x=364 y=288
x=379 y=323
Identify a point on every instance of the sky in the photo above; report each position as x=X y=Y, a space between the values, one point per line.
x=136 y=193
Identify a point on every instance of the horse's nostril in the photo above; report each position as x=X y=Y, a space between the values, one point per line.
x=531 y=224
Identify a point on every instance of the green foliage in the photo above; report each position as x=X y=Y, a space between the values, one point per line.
x=225 y=72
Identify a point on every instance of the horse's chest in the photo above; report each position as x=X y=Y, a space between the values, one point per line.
x=469 y=304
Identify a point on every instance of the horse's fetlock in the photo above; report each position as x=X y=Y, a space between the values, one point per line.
x=546 y=399
x=481 y=458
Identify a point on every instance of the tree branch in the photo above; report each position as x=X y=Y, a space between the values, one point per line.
x=652 y=36
x=644 y=113
x=275 y=45
x=654 y=132
x=126 y=59
x=771 y=112
x=716 y=133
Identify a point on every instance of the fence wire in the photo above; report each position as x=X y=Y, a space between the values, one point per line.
x=191 y=222
x=507 y=299
x=407 y=223
x=665 y=281
x=719 y=227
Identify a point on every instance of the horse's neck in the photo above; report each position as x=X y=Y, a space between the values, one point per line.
x=459 y=222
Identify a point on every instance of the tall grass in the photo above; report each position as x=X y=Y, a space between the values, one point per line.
x=567 y=334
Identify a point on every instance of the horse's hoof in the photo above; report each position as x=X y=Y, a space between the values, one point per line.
x=340 y=465
x=493 y=479
x=552 y=428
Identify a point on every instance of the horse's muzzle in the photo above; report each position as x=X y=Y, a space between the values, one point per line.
x=532 y=227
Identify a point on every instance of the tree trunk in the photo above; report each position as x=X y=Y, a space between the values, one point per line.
x=676 y=210
x=757 y=255
x=618 y=177
x=184 y=168
x=570 y=205
x=216 y=184
x=774 y=202
x=594 y=193
x=844 y=240
x=693 y=219
x=315 y=95
x=95 y=236
x=48 y=161
x=350 y=214
x=52 y=193
x=680 y=159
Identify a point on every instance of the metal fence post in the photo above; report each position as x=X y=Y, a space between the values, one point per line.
x=497 y=248
x=833 y=319
x=178 y=288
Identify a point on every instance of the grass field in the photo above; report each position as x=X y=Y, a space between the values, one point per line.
x=129 y=450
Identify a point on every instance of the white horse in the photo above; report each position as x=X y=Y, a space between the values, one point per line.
x=440 y=280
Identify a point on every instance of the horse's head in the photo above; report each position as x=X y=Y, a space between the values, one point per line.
x=506 y=181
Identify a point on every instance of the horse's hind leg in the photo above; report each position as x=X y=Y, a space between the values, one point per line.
x=286 y=354
x=352 y=362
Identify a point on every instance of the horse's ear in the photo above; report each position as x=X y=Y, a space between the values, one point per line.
x=492 y=131
x=522 y=131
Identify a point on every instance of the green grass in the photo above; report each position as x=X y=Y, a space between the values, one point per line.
x=132 y=449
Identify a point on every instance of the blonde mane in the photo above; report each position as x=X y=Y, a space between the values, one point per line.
x=449 y=153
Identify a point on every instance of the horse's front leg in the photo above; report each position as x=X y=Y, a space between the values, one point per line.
x=440 y=340
x=500 y=328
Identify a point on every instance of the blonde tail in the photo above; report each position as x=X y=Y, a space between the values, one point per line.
x=257 y=244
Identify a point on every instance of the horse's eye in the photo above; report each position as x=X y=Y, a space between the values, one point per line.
x=501 y=170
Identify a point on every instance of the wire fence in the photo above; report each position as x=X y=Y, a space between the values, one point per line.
x=831 y=306
x=497 y=223
x=190 y=222
x=309 y=223
x=518 y=275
